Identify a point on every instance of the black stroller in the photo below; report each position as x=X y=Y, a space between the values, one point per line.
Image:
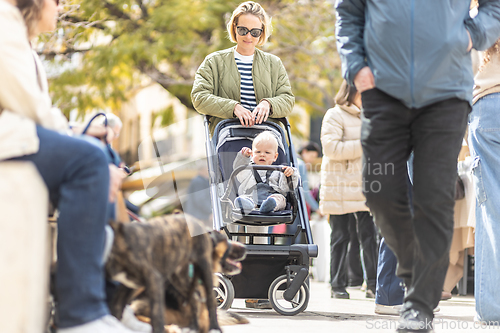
x=270 y=271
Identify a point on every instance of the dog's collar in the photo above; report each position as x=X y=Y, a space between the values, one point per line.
x=190 y=271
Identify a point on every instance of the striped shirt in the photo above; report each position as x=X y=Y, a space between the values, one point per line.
x=244 y=64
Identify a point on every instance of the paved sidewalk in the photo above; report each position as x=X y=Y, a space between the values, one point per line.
x=325 y=314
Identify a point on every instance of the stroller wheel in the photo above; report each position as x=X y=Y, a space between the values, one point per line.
x=224 y=292
x=280 y=304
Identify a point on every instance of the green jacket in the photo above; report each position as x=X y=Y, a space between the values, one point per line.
x=216 y=88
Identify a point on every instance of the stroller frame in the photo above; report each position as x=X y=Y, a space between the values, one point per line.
x=270 y=271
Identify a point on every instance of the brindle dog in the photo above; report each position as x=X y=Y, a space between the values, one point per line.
x=159 y=255
x=185 y=298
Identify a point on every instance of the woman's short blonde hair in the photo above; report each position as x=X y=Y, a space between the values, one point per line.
x=250 y=7
x=32 y=13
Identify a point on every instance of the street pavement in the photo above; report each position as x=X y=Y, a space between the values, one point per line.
x=325 y=314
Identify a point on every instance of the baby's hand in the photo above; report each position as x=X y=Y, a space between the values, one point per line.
x=288 y=171
x=247 y=152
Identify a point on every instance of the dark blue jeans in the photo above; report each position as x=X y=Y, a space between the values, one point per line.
x=390 y=290
x=77 y=176
x=421 y=241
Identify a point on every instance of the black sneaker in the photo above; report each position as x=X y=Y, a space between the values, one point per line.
x=414 y=321
x=339 y=293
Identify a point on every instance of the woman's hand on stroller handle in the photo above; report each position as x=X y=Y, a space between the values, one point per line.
x=246 y=117
x=262 y=111
x=249 y=118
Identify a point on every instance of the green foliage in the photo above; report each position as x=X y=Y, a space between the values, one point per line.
x=117 y=43
x=304 y=39
x=117 y=46
x=163 y=118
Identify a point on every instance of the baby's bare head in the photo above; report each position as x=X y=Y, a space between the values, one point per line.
x=265 y=148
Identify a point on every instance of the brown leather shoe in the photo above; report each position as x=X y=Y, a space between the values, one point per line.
x=258 y=304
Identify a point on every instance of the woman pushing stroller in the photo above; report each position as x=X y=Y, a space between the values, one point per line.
x=243 y=82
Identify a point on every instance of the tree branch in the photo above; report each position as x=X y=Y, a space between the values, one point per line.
x=164 y=80
x=144 y=9
x=77 y=22
x=117 y=12
x=311 y=103
x=65 y=52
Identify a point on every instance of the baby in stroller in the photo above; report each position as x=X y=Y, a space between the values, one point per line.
x=263 y=189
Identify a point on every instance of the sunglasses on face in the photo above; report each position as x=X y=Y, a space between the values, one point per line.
x=255 y=32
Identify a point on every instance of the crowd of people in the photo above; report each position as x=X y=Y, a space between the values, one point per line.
x=409 y=89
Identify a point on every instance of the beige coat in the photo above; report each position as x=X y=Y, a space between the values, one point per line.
x=341 y=180
x=24 y=99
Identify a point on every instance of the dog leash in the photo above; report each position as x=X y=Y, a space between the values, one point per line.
x=134 y=216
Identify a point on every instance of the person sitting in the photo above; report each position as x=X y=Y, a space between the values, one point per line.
x=79 y=179
x=265 y=189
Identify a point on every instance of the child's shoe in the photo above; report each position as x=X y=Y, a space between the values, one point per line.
x=268 y=205
x=244 y=203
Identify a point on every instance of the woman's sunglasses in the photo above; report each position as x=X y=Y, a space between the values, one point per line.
x=255 y=32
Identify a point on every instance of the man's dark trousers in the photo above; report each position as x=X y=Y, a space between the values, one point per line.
x=421 y=241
